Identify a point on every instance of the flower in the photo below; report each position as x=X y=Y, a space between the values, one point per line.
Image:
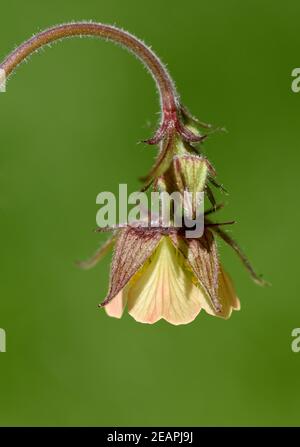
x=160 y=274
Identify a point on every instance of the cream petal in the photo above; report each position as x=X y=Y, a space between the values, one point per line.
x=227 y=293
x=164 y=289
x=116 y=306
x=227 y=297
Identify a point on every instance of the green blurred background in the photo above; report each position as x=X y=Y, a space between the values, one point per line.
x=70 y=123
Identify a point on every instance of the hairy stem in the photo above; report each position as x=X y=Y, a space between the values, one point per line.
x=166 y=88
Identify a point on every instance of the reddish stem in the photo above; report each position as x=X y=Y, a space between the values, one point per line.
x=167 y=91
x=171 y=108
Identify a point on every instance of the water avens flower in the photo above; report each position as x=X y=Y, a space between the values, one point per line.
x=159 y=272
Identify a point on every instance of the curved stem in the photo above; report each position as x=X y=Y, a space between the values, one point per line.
x=167 y=91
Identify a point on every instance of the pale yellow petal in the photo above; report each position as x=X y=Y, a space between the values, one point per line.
x=164 y=289
x=226 y=295
x=115 y=307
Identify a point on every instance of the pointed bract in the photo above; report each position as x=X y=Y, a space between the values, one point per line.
x=133 y=247
x=202 y=256
x=162 y=162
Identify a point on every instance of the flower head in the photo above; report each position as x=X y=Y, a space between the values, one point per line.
x=161 y=275
x=165 y=276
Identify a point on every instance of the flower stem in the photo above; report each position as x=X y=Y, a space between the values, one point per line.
x=166 y=88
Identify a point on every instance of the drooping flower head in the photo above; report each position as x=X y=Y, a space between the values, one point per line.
x=159 y=272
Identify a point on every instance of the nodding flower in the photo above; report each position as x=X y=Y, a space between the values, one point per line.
x=163 y=275
x=158 y=272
